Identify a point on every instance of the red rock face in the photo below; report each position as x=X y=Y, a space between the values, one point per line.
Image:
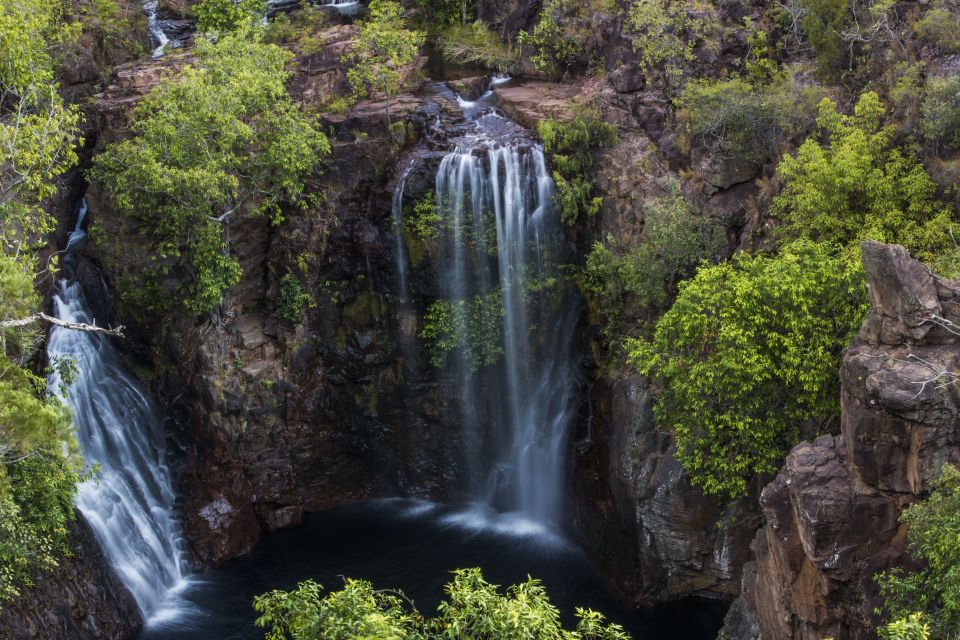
x=832 y=512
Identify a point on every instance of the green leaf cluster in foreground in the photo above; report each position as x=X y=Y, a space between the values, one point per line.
x=473 y=608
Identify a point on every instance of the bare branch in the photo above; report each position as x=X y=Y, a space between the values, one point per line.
x=75 y=326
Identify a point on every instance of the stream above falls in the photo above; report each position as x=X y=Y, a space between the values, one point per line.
x=413 y=546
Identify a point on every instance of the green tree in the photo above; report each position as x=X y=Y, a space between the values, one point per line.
x=941 y=113
x=225 y=16
x=473 y=608
x=665 y=34
x=567 y=34
x=858 y=186
x=675 y=240
x=748 y=355
x=383 y=48
x=934 y=537
x=220 y=141
x=38 y=134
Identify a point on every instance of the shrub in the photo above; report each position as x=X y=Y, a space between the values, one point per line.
x=470 y=326
x=934 y=538
x=941 y=113
x=383 y=48
x=857 y=186
x=736 y=119
x=226 y=16
x=567 y=34
x=665 y=34
x=747 y=355
x=426 y=220
x=476 y=44
x=571 y=145
x=292 y=299
x=940 y=25
x=675 y=241
x=473 y=608
x=912 y=627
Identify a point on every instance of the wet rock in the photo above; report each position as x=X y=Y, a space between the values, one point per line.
x=655 y=536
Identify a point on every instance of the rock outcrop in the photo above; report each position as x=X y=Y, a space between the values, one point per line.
x=832 y=513
x=82 y=599
x=654 y=535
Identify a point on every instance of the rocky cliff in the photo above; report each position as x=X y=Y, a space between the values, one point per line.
x=831 y=515
x=82 y=599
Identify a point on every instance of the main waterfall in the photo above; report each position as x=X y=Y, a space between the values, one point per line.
x=129 y=501
x=499 y=253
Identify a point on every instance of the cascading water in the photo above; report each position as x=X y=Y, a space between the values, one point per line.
x=500 y=240
x=160 y=39
x=129 y=503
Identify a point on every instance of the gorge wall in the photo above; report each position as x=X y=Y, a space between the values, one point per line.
x=831 y=515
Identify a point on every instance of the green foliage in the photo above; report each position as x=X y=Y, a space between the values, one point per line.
x=941 y=113
x=857 y=186
x=292 y=299
x=426 y=219
x=665 y=34
x=912 y=627
x=38 y=134
x=736 y=119
x=675 y=241
x=571 y=146
x=220 y=141
x=566 y=33
x=227 y=16
x=475 y=44
x=473 y=608
x=823 y=21
x=38 y=469
x=934 y=536
x=384 y=46
x=303 y=28
x=747 y=355
x=940 y=25
x=470 y=327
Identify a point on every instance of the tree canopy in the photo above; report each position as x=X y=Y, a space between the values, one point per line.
x=473 y=608
x=38 y=134
x=749 y=353
x=858 y=186
x=220 y=141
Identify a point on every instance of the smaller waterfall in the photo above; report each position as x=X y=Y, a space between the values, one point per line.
x=160 y=39
x=498 y=253
x=397 y=211
x=129 y=502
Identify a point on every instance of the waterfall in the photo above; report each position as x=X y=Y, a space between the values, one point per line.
x=159 y=38
x=499 y=242
x=129 y=501
x=397 y=211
